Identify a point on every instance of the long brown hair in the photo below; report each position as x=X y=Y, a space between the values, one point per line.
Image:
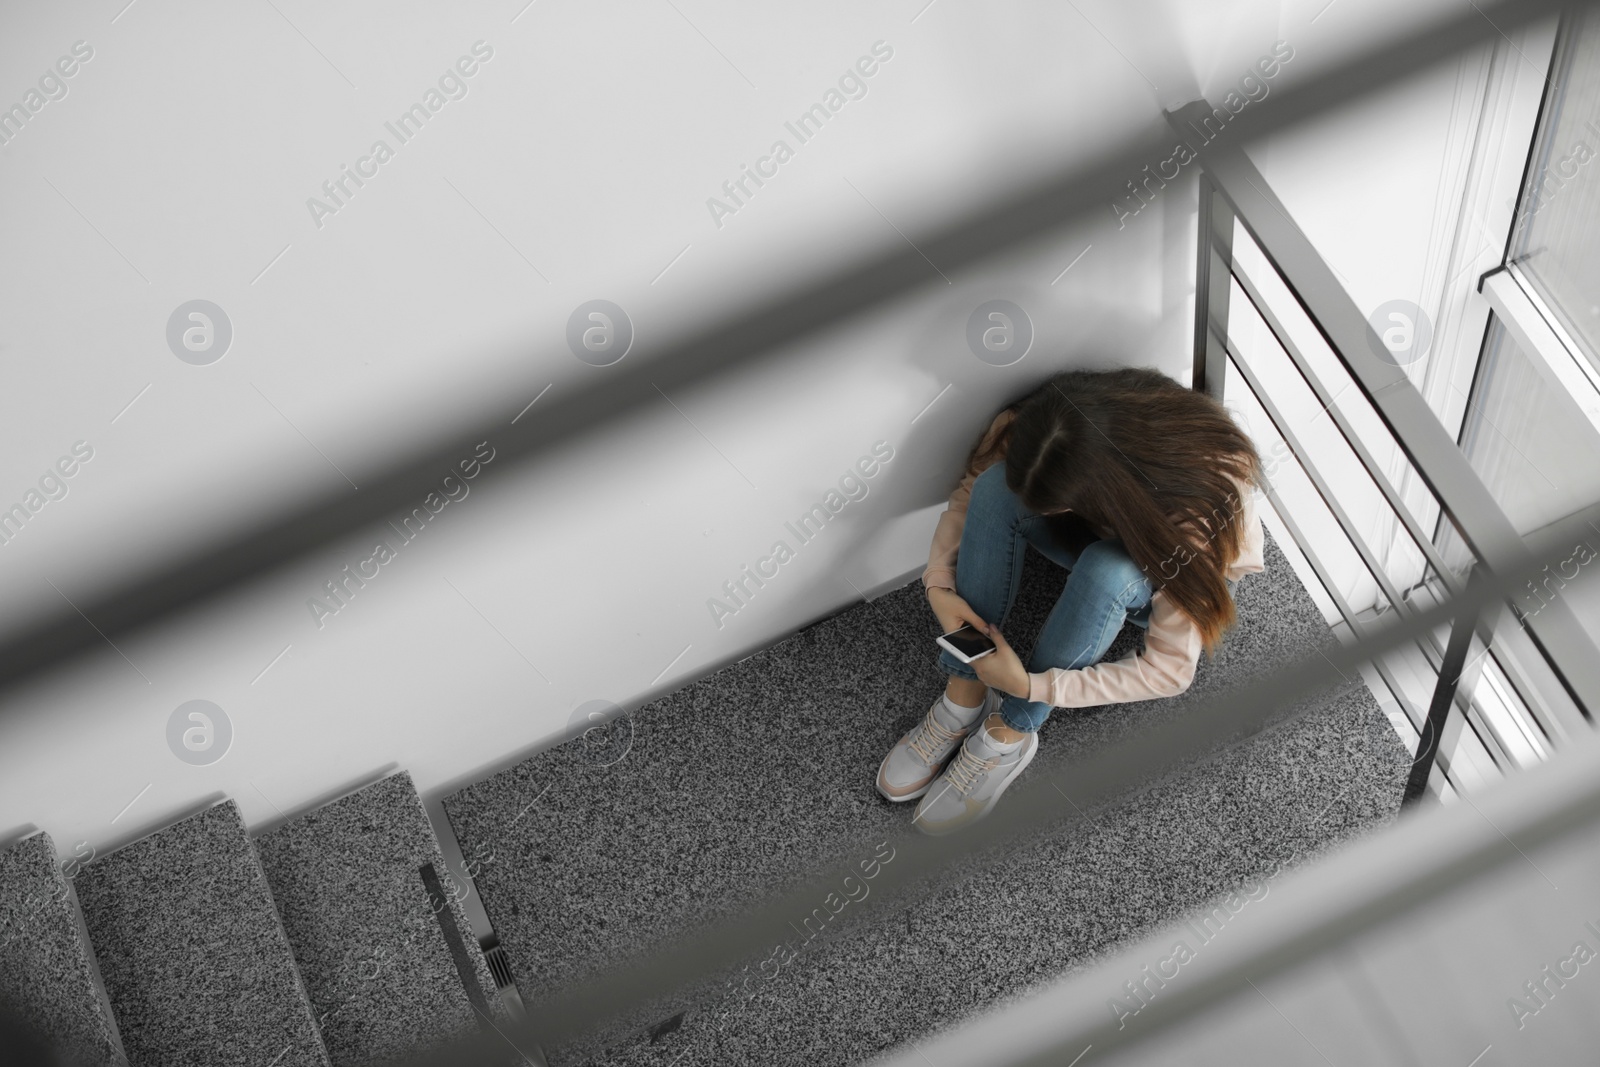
x=1132 y=451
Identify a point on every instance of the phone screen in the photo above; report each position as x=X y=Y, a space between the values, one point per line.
x=969 y=640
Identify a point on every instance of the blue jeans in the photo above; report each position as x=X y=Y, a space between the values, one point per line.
x=1104 y=589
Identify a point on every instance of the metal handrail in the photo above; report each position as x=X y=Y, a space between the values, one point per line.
x=1307 y=374
x=1233 y=189
x=1432 y=650
x=1350 y=616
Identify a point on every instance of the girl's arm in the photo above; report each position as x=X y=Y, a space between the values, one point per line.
x=1164 y=669
x=1172 y=644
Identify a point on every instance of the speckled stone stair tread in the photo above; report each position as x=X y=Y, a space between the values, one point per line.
x=369 y=944
x=192 y=952
x=47 y=974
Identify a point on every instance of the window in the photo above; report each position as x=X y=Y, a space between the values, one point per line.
x=1557 y=227
x=1527 y=438
x=1532 y=427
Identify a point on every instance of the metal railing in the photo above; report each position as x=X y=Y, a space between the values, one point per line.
x=1233 y=190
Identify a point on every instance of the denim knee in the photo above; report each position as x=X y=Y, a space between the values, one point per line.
x=1114 y=575
x=989 y=489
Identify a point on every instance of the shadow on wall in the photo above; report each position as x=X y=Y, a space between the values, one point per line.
x=930 y=453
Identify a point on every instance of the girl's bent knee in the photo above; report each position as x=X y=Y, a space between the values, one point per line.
x=990 y=486
x=1108 y=566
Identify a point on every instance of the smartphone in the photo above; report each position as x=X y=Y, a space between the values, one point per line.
x=967 y=643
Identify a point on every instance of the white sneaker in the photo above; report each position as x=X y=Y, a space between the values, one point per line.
x=973 y=782
x=914 y=762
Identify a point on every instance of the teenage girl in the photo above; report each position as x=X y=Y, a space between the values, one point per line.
x=1145 y=491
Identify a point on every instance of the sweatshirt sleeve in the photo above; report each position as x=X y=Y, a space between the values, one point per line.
x=1172 y=644
x=941 y=570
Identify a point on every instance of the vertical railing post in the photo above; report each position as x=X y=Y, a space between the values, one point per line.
x=1462 y=629
x=1213 y=284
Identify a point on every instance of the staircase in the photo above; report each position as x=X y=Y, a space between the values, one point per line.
x=334 y=940
x=338 y=938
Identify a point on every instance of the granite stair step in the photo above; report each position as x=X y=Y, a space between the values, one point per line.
x=377 y=926
x=193 y=956
x=48 y=980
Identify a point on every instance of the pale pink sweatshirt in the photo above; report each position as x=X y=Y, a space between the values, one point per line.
x=1172 y=643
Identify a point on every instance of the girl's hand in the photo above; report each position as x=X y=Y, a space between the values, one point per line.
x=1002 y=669
x=953 y=612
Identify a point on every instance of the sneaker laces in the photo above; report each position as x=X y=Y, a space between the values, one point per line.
x=928 y=735
x=966 y=769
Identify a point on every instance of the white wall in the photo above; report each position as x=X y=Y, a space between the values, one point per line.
x=577 y=166
x=178 y=166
